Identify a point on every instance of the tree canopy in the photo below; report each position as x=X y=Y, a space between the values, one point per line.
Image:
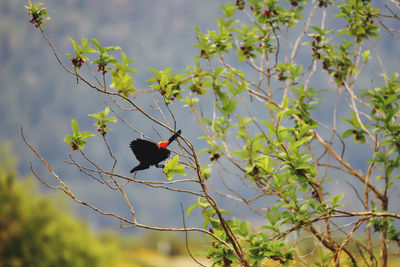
x=37 y=230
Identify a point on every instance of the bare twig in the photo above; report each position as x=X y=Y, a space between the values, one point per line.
x=186 y=239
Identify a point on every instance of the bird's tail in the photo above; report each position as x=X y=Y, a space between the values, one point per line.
x=173 y=137
x=139 y=167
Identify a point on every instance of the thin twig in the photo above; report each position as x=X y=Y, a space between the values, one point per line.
x=186 y=239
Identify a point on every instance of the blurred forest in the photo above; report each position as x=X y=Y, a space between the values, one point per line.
x=33 y=232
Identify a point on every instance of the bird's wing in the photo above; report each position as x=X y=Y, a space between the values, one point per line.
x=143 y=149
x=162 y=154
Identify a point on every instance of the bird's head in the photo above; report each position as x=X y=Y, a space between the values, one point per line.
x=163 y=144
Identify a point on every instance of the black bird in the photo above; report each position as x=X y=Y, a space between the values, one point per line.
x=149 y=153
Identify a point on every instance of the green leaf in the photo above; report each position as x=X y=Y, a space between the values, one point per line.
x=302 y=141
x=164 y=80
x=245 y=227
x=96 y=43
x=273 y=107
x=244 y=154
x=230 y=107
x=206 y=171
x=75 y=44
x=263 y=163
x=86 y=134
x=317 y=29
x=336 y=199
x=270 y=217
x=172 y=167
x=75 y=127
x=218 y=71
x=112 y=119
x=285 y=102
x=68 y=138
x=96 y=116
x=347 y=133
x=304 y=188
x=89 y=50
x=191 y=208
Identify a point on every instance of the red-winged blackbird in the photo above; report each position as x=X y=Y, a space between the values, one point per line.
x=149 y=153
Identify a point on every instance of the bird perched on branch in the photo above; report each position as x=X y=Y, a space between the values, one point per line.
x=149 y=153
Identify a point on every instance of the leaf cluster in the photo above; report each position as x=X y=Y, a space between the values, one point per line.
x=39 y=14
x=77 y=140
x=102 y=122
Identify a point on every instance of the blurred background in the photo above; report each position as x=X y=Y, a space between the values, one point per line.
x=36 y=93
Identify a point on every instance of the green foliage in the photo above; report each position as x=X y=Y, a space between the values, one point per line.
x=386 y=225
x=39 y=15
x=385 y=101
x=260 y=246
x=173 y=167
x=77 y=140
x=386 y=109
x=336 y=59
x=104 y=58
x=277 y=159
x=209 y=214
x=357 y=131
x=102 y=122
x=324 y=258
x=306 y=100
x=168 y=85
x=80 y=52
x=34 y=232
x=359 y=15
x=122 y=81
